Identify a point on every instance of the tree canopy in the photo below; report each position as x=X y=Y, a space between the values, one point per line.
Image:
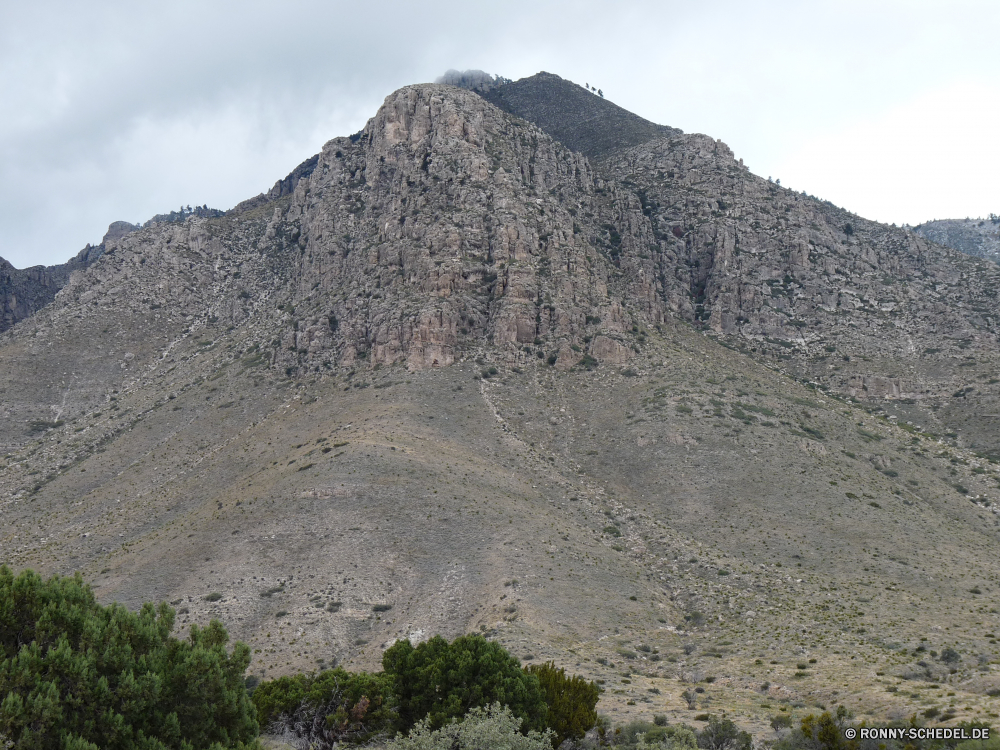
x=441 y=681
x=76 y=675
x=571 y=701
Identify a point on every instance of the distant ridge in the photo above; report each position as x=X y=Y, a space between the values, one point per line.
x=978 y=237
x=572 y=115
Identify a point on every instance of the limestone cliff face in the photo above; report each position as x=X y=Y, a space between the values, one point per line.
x=792 y=277
x=446 y=225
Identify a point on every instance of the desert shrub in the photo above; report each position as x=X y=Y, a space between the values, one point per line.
x=643 y=735
x=75 y=674
x=781 y=721
x=326 y=708
x=723 y=734
x=993 y=743
x=41 y=425
x=824 y=732
x=667 y=738
x=440 y=681
x=571 y=701
x=950 y=656
x=494 y=727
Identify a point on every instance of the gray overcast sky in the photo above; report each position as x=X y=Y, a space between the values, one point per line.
x=120 y=110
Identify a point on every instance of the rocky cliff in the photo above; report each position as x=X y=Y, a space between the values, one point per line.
x=447 y=225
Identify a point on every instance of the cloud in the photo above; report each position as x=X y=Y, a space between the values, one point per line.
x=933 y=156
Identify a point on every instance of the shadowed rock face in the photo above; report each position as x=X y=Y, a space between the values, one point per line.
x=579 y=119
x=25 y=291
x=452 y=365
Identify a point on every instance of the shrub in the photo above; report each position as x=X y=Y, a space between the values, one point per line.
x=950 y=656
x=993 y=743
x=645 y=736
x=571 y=702
x=440 y=681
x=781 y=721
x=333 y=706
x=213 y=597
x=824 y=732
x=723 y=734
x=494 y=726
x=79 y=675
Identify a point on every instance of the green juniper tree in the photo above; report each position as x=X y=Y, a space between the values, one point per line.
x=440 y=681
x=75 y=675
x=571 y=701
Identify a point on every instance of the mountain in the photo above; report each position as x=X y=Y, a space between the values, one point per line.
x=647 y=415
x=979 y=237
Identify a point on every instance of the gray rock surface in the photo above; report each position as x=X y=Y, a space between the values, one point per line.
x=979 y=237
